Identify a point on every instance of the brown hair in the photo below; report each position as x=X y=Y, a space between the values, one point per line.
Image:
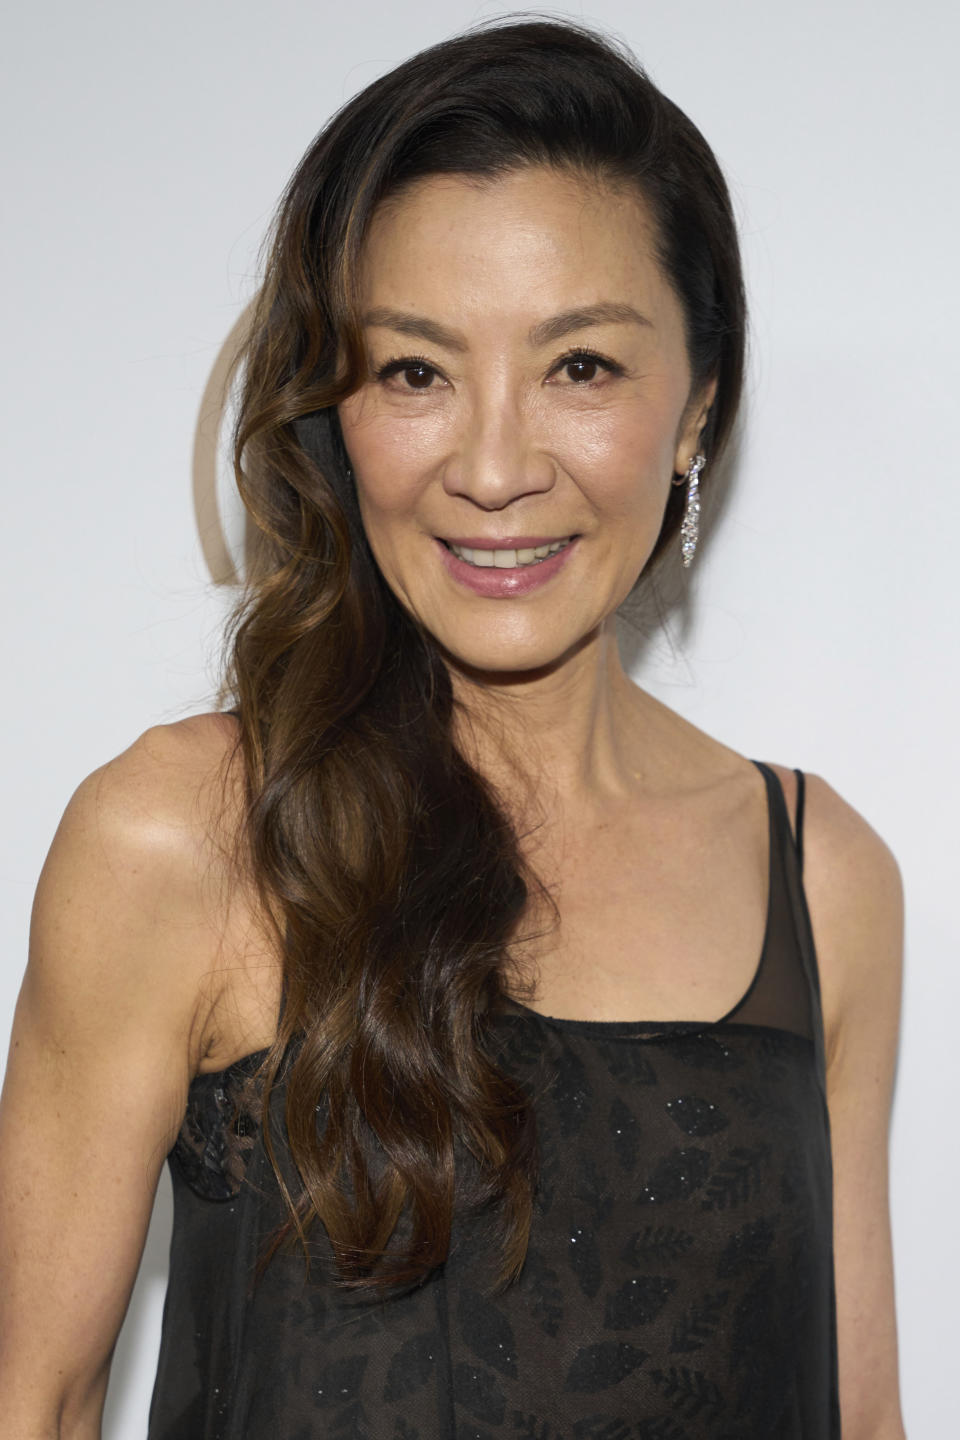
x=388 y=865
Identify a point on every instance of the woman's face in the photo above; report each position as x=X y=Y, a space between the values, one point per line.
x=528 y=386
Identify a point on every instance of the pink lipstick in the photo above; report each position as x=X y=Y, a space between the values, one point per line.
x=503 y=584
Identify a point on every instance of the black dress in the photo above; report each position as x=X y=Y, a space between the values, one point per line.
x=679 y=1280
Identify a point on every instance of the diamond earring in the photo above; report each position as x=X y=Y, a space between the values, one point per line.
x=690 y=525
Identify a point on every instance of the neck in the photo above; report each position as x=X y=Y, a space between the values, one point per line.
x=571 y=734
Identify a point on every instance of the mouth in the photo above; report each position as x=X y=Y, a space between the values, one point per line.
x=485 y=558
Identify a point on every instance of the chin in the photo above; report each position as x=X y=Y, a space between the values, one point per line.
x=507 y=659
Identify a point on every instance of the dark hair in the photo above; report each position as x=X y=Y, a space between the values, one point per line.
x=387 y=865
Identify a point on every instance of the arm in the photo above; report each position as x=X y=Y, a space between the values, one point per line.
x=108 y=1030
x=856 y=905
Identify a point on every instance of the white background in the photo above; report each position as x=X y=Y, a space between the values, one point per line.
x=145 y=148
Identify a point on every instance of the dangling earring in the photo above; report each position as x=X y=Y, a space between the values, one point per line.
x=690 y=525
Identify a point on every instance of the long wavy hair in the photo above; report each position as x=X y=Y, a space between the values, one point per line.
x=388 y=867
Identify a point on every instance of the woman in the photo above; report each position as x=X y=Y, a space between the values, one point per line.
x=414 y=955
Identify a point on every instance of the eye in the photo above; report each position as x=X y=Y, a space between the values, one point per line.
x=583 y=366
x=417 y=373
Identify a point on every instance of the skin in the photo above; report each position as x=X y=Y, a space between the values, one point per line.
x=147 y=967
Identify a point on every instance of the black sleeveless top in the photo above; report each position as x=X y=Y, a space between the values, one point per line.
x=679 y=1278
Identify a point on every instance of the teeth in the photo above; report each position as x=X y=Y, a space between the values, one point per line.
x=508 y=559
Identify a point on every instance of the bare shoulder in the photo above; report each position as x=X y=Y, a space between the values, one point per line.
x=854 y=894
x=154 y=815
x=170 y=772
x=142 y=874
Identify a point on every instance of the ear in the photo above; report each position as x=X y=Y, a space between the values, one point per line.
x=692 y=426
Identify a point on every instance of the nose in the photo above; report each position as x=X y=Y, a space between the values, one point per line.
x=495 y=459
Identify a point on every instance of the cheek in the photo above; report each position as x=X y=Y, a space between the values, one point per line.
x=389 y=457
x=619 y=455
x=377 y=434
x=387 y=499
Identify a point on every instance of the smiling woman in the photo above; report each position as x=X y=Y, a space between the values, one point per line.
x=522 y=1053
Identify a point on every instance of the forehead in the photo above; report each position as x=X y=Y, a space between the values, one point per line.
x=533 y=240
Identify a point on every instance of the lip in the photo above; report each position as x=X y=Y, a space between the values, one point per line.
x=496 y=584
x=506 y=542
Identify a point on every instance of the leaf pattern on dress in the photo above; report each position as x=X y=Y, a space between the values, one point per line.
x=593 y=1189
x=628 y=1064
x=699 y=1323
x=745 y=1248
x=661 y=1427
x=638 y=1301
x=487 y=1333
x=737 y=1178
x=339 y=1381
x=707 y=1052
x=543 y=1285
x=479 y=1392
x=691 y=1392
x=597 y=1367
x=469 y=1430
x=570 y=1093
x=678 y=1174
x=411 y=1366
x=526 y=1426
x=602 y=1427
x=657 y=1245
x=761 y=1103
x=625 y=1134
x=584 y=1257
x=696 y=1116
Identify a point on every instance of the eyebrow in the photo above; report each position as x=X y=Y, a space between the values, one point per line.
x=606 y=312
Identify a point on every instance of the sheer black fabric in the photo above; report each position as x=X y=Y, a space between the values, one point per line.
x=679 y=1281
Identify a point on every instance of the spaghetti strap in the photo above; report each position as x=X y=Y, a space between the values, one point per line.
x=798 y=822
